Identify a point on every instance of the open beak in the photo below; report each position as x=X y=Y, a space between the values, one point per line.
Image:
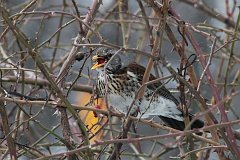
x=97 y=64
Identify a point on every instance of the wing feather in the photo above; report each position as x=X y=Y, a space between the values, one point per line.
x=139 y=70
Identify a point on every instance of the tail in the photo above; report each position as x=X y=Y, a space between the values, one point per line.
x=179 y=125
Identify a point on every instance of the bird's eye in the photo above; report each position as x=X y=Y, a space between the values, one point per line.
x=109 y=55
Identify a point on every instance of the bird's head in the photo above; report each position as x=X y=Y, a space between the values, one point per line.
x=102 y=57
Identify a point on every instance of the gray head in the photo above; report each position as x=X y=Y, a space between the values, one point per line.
x=102 y=57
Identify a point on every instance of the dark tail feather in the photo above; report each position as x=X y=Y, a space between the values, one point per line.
x=179 y=125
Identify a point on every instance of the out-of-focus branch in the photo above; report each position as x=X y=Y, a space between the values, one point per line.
x=45 y=83
x=6 y=130
x=209 y=117
x=44 y=69
x=210 y=11
x=80 y=37
x=71 y=59
x=116 y=152
x=23 y=10
x=231 y=141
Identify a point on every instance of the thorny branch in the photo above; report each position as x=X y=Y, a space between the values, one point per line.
x=38 y=58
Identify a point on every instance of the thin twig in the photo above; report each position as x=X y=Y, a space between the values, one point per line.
x=208 y=63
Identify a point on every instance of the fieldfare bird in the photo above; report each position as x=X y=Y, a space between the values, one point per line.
x=122 y=84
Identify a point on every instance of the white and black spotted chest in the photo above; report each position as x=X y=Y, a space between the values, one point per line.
x=115 y=85
x=121 y=94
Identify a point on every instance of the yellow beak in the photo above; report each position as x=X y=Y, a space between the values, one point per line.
x=96 y=65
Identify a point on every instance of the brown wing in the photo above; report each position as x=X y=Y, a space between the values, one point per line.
x=139 y=70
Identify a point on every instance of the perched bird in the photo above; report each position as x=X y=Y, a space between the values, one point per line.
x=124 y=82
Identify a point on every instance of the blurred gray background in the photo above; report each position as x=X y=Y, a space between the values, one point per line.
x=110 y=32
